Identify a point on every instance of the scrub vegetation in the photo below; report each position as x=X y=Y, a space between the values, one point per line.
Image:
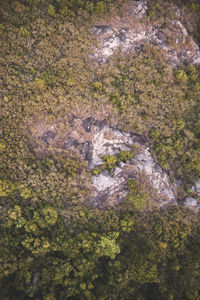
x=53 y=245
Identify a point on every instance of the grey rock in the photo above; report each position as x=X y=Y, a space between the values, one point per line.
x=101 y=29
x=133 y=39
x=47 y=136
x=197 y=187
x=197 y=58
x=190 y=202
x=111 y=187
x=139 y=8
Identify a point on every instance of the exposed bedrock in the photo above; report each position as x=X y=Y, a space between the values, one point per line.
x=128 y=35
x=110 y=187
x=91 y=139
x=194 y=202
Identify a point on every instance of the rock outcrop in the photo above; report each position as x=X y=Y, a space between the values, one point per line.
x=132 y=36
x=194 y=202
x=190 y=202
x=110 y=187
x=91 y=139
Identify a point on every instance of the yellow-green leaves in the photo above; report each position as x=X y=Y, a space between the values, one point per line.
x=25 y=192
x=181 y=76
x=143 y=272
x=37 y=245
x=23 y=31
x=108 y=245
x=15 y=217
x=51 y=10
x=6 y=188
x=50 y=215
x=40 y=83
x=127 y=223
x=15 y=213
x=136 y=196
x=110 y=161
x=2 y=145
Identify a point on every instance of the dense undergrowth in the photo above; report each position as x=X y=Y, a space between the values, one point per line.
x=53 y=245
x=170 y=120
x=85 y=254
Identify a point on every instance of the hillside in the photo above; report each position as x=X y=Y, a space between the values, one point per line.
x=100 y=149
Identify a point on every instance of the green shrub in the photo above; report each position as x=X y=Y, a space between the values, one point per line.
x=6 y=188
x=135 y=196
x=124 y=156
x=25 y=192
x=2 y=145
x=51 y=10
x=110 y=161
x=181 y=76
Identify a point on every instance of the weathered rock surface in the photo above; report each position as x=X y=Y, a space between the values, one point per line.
x=190 y=202
x=197 y=187
x=90 y=139
x=131 y=37
x=138 y=9
x=194 y=203
x=110 y=188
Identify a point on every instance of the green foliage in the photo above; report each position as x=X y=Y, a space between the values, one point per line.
x=72 y=7
x=40 y=83
x=23 y=31
x=50 y=215
x=101 y=7
x=25 y=192
x=108 y=246
x=110 y=161
x=127 y=223
x=53 y=245
x=97 y=170
x=97 y=86
x=72 y=255
x=2 y=145
x=135 y=196
x=124 y=156
x=143 y=272
x=6 y=188
x=13 y=214
x=195 y=7
x=181 y=76
x=51 y=10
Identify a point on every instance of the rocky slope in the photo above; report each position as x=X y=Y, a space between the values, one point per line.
x=91 y=140
x=135 y=30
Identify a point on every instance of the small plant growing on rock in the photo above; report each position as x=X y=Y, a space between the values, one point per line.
x=135 y=195
x=124 y=156
x=110 y=161
x=96 y=171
